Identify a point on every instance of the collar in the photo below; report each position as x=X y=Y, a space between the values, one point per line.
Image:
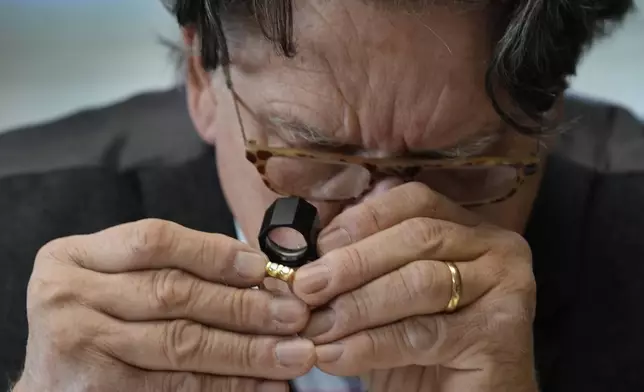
x=240 y=233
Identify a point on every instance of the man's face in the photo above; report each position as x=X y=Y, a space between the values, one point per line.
x=365 y=81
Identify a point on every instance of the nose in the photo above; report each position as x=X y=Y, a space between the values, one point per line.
x=379 y=188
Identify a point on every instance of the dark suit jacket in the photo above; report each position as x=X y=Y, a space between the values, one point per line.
x=141 y=159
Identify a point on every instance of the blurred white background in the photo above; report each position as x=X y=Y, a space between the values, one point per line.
x=59 y=56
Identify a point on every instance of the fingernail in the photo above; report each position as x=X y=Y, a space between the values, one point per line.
x=294 y=352
x=336 y=239
x=329 y=353
x=320 y=323
x=288 y=311
x=272 y=386
x=250 y=265
x=311 y=279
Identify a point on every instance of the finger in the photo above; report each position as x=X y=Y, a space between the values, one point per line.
x=348 y=268
x=396 y=345
x=389 y=209
x=445 y=379
x=277 y=287
x=189 y=382
x=154 y=244
x=174 y=294
x=430 y=342
x=424 y=287
x=483 y=338
x=185 y=346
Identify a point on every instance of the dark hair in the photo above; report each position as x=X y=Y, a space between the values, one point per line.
x=538 y=48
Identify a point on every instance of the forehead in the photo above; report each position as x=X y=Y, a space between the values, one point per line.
x=383 y=78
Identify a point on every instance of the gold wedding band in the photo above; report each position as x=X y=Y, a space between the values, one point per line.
x=280 y=272
x=457 y=288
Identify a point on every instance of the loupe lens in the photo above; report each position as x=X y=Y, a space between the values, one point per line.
x=287 y=243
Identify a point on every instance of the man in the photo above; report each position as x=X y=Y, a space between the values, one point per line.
x=413 y=127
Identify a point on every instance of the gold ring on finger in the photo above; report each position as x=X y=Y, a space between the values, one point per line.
x=281 y=272
x=457 y=288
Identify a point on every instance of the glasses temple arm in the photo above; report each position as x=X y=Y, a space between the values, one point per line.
x=224 y=55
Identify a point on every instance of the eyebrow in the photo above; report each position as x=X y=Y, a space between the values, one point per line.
x=472 y=146
x=293 y=130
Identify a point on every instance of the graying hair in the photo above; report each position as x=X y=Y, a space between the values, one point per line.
x=538 y=47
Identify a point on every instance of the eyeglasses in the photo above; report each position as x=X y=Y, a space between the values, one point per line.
x=334 y=177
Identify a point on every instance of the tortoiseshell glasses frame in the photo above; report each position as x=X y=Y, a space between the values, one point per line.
x=401 y=167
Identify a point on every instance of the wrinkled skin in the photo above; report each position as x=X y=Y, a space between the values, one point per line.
x=152 y=306
x=390 y=82
x=385 y=285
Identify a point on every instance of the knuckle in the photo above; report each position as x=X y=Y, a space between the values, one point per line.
x=50 y=289
x=63 y=250
x=242 y=309
x=45 y=292
x=354 y=265
x=151 y=237
x=404 y=286
x=422 y=334
x=51 y=249
x=426 y=232
x=418 y=191
x=220 y=248
x=516 y=279
x=515 y=245
x=70 y=339
x=510 y=262
x=250 y=352
x=173 y=290
x=422 y=281
x=351 y=310
x=204 y=255
x=245 y=353
x=373 y=346
x=369 y=217
x=182 y=341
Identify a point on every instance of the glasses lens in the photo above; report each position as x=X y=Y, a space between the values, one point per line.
x=317 y=180
x=468 y=185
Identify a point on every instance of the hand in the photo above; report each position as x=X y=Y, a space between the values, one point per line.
x=384 y=278
x=153 y=306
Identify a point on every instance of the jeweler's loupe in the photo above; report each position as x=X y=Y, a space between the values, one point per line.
x=289 y=232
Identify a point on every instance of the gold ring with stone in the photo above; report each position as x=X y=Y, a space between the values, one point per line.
x=280 y=272
x=457 y=288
